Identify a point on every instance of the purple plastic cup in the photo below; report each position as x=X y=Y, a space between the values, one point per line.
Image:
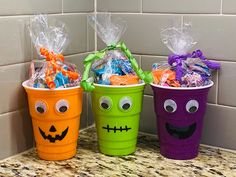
x=180 y=113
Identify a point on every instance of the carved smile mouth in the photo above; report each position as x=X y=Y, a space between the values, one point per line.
x=53 y=139
x=116 y=128
x=181 y=132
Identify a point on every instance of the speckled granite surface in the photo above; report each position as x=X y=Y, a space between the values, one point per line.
x=145 y=162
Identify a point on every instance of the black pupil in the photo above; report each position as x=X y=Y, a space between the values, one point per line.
x=105 y=105
x=193 y=109
x=169 y=108
x=126 y=106
x=63 y=109
x=40 y=109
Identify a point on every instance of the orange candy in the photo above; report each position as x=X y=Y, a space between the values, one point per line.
x=124 y=80
x=169 y=74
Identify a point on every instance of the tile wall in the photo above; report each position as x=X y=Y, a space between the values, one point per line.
x=214 y=26
x=16 y=53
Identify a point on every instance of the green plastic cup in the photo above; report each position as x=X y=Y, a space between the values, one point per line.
x=117 y=112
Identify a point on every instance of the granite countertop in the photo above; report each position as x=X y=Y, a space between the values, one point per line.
x=146 y=162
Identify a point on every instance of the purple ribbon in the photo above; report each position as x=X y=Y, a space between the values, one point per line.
x=176 y=60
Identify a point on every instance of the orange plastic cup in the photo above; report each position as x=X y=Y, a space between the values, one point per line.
x=56 y=117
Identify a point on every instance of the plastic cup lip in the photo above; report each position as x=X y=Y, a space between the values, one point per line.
x=183 y=88
x=119 y=86
x=24 y=84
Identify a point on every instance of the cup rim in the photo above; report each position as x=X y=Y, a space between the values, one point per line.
x=119 y=86
x=24 y=84
x=183 y=88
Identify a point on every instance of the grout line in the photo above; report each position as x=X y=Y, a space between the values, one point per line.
x=119 y=13
x=87 y=37
x=212 y=104
x=141 y=62
x=27 y=15
x=170 y=14
x=14 y=111
x=150 y=96
x=87 y=123
x=202 y=145
x=154 y=55
x=217 y=86
x=95 y=30
x=148 y=134
x=221 y=105
x=17 y=155
x=221 y=7
x=62 y=6
x=18 y=63
x=71 y=55
x=86 y=128
x=225 y=61
x=141 y=6
x=69 y=13
x=216 y=147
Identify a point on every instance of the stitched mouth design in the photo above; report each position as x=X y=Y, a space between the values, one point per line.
x=115 y=129
x=181 y=132
x=53 y=139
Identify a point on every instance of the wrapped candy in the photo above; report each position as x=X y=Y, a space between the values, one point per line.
x=115 y=64
x=190 y=69
x=49 y=42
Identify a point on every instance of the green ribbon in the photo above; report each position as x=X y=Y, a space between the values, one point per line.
x=88 y=86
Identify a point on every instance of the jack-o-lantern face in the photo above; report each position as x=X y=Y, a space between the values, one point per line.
x=61 y=107
x=55 y=119
x=52 y=139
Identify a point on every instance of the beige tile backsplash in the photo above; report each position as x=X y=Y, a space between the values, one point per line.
x=182 y=6
x=12 y=94
x=227 y=84
x=229 y=6
x=78 y=6
x=26 y=7
x=16 y=132
x=15 y=44
x=16 y=53
x=119 y=6
x=212 y=28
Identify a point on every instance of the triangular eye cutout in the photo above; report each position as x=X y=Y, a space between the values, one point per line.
x=52 y=129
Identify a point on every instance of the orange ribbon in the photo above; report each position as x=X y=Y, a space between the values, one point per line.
x=53 y=67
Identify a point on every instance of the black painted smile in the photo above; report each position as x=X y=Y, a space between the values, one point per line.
x=53 y=139
x=181 y=132
x=116 y=129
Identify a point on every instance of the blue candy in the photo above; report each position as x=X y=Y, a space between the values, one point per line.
x=61 y=80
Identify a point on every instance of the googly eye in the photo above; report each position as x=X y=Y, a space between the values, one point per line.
x=192 y=106
x=170 y=106
x=40 y=107
x=105 y=103
x=62 y=106
x=125 y=103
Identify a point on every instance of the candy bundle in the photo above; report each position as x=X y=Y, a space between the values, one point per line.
x=49 y=42
x=112 y=66
x=183 y=69
x=114 y=69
